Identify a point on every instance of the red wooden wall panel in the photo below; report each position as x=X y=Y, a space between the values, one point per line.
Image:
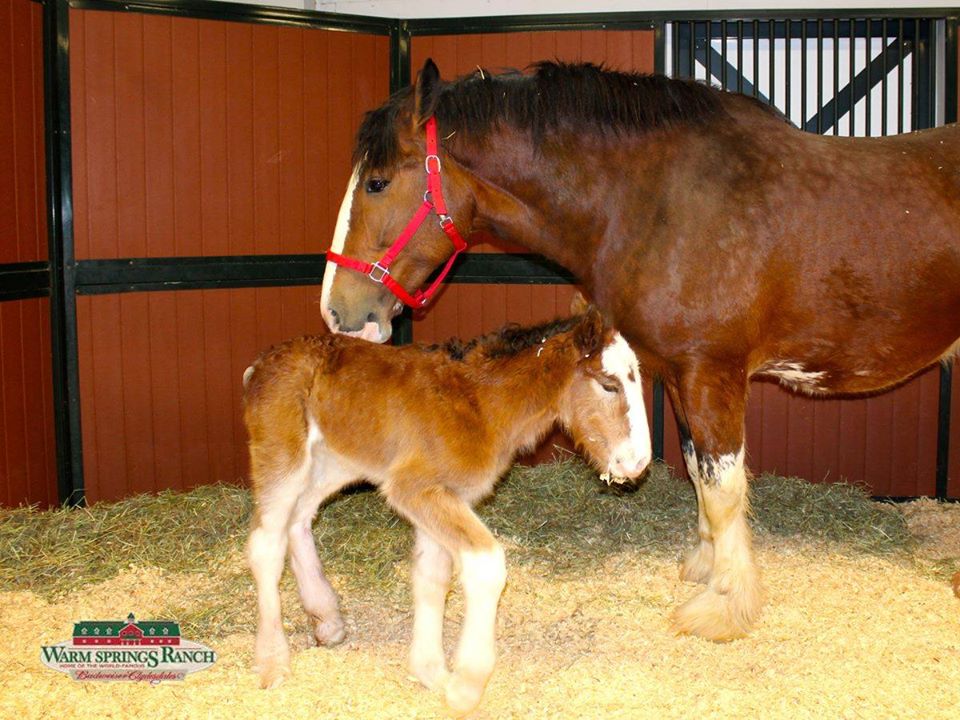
x=27 y=452
x=23 y=228
x=160 y=377
x=199 y=137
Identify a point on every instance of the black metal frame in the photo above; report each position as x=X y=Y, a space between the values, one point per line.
x=63 y=278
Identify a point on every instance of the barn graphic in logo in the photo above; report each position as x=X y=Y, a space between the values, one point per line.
x=148 y=651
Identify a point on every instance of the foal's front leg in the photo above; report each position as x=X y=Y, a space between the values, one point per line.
x=432 y=568
x=453 y=525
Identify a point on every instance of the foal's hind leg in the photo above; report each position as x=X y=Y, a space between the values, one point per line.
x=275 y=494
x=317 y=596
x=728 y=607
x=432 y=566
x=452 y=524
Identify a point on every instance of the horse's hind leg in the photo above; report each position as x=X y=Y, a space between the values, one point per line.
x=317 y=596
x=453 y=525
x=728 y=607
x=275 y=493
x=432 y=567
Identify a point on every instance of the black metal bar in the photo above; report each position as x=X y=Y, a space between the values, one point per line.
x=63 y=304
x=803 y=73
x=946 y=370
x=852 y=61
x=639 y=20
x=707 y=48
x=943 y=430
x=901 y=105
x=771 y=35
x=401 y=74
x=886 y=77
x=19 y=281
x=921 y=108
x=740 y=57
x=400 y=70
x=819 y=77
x=788 y=82
x=238 y=12
x=100 y=277
x=756 y=58
x=656 y=428
x=867 y=61
x=835 y=120
x=723 y=54
x=659 y=48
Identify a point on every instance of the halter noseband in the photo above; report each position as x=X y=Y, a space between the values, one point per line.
x=379 y=271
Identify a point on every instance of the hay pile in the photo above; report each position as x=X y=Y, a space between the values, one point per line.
x=860 y=620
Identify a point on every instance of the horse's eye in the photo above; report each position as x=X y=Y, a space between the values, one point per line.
x=375 y=185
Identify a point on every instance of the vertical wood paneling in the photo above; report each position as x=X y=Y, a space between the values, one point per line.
x=161 y=382
x=23 y=229
x=197 y=137
x=27 y=453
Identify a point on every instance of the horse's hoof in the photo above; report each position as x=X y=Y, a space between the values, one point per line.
x=720 y=617
x=329 y=632
x=273 y=675
x=462 y=694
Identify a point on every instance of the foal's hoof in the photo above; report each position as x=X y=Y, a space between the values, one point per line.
x=329 y=632
x=462 y=694
x=273 y=675
x=432 y=675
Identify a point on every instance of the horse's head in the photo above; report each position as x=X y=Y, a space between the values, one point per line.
x=603 y=408
x=373 y=271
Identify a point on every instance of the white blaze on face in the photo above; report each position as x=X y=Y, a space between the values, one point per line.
x=339 y=238
x=620 y=361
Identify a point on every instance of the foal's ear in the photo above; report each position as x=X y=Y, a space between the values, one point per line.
x=588 y=336
x=428 y=81
x=578 y=303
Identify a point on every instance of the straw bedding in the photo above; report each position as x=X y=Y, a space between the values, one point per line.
x=860 y=620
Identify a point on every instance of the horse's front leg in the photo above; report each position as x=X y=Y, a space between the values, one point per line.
x=713 y=405
x=432 y=568
x=698 y=564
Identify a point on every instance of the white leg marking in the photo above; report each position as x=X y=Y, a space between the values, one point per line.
x=620 y=361
x=339 y=238
x=483 y=575
x=432 y=568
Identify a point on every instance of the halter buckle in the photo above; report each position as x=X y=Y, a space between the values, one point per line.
x=378 y=268
x=426 y=163
x=445 y=220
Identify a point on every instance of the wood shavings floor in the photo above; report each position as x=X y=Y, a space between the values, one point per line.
x=841 y=637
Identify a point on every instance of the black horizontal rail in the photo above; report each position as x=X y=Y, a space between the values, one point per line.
x=207 y=10
x=100 y=277
x=19 y=281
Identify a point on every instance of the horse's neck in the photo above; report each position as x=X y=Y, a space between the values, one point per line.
x=558 y=202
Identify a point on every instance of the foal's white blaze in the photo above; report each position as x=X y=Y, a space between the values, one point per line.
x=620 y=361
x=339 y=238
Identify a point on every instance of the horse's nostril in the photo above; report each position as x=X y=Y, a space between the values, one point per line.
x=371 y=317
x=335 y=315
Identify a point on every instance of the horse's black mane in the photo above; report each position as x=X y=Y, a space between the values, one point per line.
x=508 y=341
x=585 y=98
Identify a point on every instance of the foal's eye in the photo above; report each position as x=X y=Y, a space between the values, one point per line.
x=608 y=386
x=375 y=185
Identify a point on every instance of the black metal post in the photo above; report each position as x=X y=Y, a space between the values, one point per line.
x=63 y=303
x=400 y=77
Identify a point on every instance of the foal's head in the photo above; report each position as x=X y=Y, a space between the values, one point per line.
x=603 y=406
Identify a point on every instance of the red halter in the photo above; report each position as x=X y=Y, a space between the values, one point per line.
x=433 y=201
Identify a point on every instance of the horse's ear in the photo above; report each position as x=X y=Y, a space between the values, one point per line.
x=428 y=80
x=588 y=336
x=578 y=303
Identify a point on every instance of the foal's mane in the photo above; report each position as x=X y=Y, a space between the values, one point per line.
x=508 y=341
x=586 y=98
